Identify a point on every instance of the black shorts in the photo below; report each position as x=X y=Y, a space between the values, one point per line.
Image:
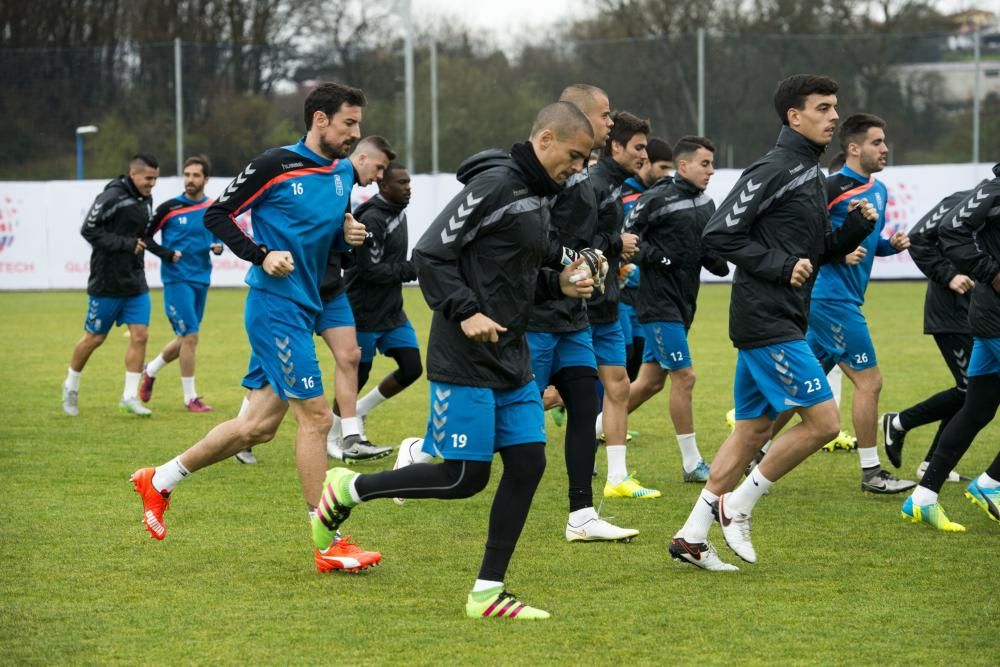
x=956 y=350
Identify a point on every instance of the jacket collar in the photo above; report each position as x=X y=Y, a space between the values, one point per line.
x=618 y=172
x=686 y=187
x=791 y=140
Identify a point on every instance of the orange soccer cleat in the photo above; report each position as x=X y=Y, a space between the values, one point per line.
x=154 y=503
x=345 y=554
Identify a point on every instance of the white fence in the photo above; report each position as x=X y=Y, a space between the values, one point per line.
x=41 y=246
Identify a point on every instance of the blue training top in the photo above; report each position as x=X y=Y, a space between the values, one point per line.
x=183 y=229
x=839 y=281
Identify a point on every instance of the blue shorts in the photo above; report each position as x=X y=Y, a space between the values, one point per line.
x=383 y=341
x=838 y=333
x=631 y=328
x=666 y=344
x=281 y=342
x=471 y=423
x=609 y=343
x=336 y=313
x=552 y=352
x=985 y=359
x=185 y=305
x=104 y=312
x=779 y=377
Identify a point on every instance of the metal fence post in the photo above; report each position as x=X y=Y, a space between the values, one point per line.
x=179 y=105
x=408 y=75
x=701 y=81
x=434 y=107
x=976 y=93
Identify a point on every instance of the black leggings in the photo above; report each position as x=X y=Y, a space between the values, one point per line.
x=578 y=390
x=409 y=367
x=981 y=402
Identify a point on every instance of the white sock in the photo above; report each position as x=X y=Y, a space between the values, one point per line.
x=370 y=401
x=696 y=527
x=485 y=585
x=987 y=482
x=868 y=456
x=617 y=469
x=924 y=496
x=244 y=406
x=835 y=379
x=896 y=424
x=131 y=385
x=582 y=516
x=749 y=492
x=155 y=366
x=189 y=391
x=599 y=425
x=690 y=455
x=354 y=492
x=169 y=475
x=350 y=426
x=72 y=380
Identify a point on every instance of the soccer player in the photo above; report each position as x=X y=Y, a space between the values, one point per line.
x=775 y=227
x=117 y=289
x=970 y=237
x=186 y=272
x=670 y=219
x=478 y=265
x=623 y=156
x=838 y=333
x=298 y=195
x=335 y=325
x=946 y=317
x=375 y=289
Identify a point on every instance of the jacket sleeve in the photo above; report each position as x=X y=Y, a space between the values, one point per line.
x=958 y=234
x=547 y=286
x=437 y=253
x=845 y=239
x=155 y=225
x=925 y=251
x=727 y=233
x=95 y=226
x=220 y=218
x=638 y=223
x=370 y=258
x=608 y=235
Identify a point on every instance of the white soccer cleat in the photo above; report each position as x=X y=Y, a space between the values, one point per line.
x=597 y=529
x=70 y=402
x=246 y=456
x=134 y=406
x=700 y=554
x=334 y=445
x=410 y=452
x=736 y=530
x=952 y=476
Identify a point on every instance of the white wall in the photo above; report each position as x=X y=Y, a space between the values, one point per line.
x=41 y=246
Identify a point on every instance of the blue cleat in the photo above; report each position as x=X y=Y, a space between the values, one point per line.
x=933 y=515
x=987 y=499
x=699 y=474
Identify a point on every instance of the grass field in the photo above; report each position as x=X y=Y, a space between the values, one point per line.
x=841 y=578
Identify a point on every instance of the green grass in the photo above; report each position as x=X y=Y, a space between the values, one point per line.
x=841 y=578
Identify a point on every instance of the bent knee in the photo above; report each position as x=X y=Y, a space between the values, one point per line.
x=139 y=336
x=348 y=356
x=683 y=378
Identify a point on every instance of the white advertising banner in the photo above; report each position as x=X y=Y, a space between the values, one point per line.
x=41 y=246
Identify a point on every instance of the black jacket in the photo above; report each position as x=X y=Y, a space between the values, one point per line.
x=482 y=255
x=375 y=280
x=116 y=221
x=775 y=215
x=669 y=219
x=608 y=177
x=970 y=236
x=572 y=224
x=945 y=311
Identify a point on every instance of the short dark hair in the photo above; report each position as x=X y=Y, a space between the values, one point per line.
x=380 y=144
x=564 y=119
x=391 y=167
x=329 y=97
x=144 y=159
x=206 y=166
x=856 y=127
x=792 y=92
x=690 y=144
x=626 y=126
x=658 y=150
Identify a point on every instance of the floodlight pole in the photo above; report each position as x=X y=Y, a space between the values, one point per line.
x=701 y=81
x=80 y=131
x=434 y=107
x=179 y=106
x=408 y=75
x=976 y=93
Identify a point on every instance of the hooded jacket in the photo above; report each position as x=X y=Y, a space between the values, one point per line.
x=608 y=178
x=669 y=219
x=775 y=215
x=482 y=254
x=116 y=221
x=375 y=280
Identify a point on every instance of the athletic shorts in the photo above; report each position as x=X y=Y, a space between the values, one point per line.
x=185 y=306
x=552 y=352
x=666 y=344
x=838 y=333
x=383 y=341
x=985 y=358
x=104 y=312
x=779 y=377
x=471 y=423
x=336 y=313
x=281 y=342
x=956 y=350
x=627 y=317
x=609 y=343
